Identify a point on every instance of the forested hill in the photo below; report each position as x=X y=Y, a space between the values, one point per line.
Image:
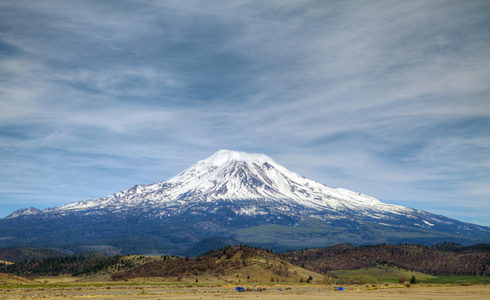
x=54 y=266
x=229 y=264
x=23 y=254
x=457 y=260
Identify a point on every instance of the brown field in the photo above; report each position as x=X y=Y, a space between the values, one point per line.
x=9 y=280
x=446 y=292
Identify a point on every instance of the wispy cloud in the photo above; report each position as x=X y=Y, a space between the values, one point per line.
x=387 y=98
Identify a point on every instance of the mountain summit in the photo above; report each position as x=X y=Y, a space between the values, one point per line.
x=243 y=176
x=243 y=196
x=237 y=177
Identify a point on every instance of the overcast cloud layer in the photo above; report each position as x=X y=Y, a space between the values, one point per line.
x=386 y=98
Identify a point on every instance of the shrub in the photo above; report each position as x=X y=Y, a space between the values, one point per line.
x=413 y=280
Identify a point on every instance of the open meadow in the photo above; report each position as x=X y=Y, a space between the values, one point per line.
x=96 y=291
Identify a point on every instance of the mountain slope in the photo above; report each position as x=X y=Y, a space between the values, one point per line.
x=246 y=197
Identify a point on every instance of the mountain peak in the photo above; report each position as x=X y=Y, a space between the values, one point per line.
x=24 y=212
x=223 y=156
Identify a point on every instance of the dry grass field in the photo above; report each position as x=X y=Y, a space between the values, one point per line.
x=12 y=280
x=301 y=292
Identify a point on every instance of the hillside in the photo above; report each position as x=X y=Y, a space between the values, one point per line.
x=473 y=260
x=231 y=264
x=10 y=279
x=209 y=244
x=22 y=254
x=382 y=272
x=104 y=268
x=55 y=265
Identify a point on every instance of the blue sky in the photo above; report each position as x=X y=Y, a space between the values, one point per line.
x=386 y=98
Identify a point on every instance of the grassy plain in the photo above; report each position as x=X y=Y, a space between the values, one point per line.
x=382 y=274
x=275 y=291
x=392 y=274
x=460 y=279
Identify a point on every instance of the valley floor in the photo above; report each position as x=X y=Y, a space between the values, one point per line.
x=445 y=292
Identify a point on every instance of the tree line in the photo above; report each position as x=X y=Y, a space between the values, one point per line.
x=52 y=266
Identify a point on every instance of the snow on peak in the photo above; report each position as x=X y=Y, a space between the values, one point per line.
x=24 y=212
x=239 y=176
x=223 y=156
x=234 y=176
x=219 y=160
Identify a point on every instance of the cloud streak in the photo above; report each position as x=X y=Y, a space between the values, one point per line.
x=386 y=98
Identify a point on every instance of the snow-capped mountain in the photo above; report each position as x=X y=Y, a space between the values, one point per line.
x=241 y=195
x=235 y=177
